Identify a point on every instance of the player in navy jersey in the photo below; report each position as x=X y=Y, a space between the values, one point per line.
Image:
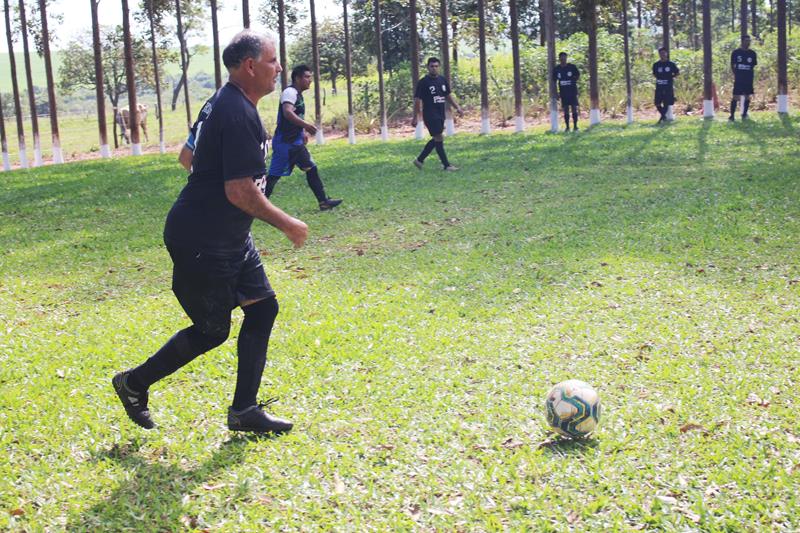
x=566 y=76
x=291 y=136
x=216 y=266
x=743 y=63
x=664 y=71
x=430 y=96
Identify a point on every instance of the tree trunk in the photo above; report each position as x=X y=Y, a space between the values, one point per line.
x=51 y=87
x=37 y=143
x=518 y=115
x=157 y=77
x=23 y=158
x=550 y=37
x=484 y=73
x=743 y=17
x=542 y=9
x=246 y=13
x=379 y=39
x=412 y=22
x=133 y=111
x=754 y=17
x=3 y=140
x=445 y=48
x=98 y=77
x=184 y=64
x=454 y=27
x=639 y=14
x=626 y=49
x=733 y=16
x=708 y=96
x=282 y=38
x=315 y=59
x=783 y=85
x=215 y=34
x=665 y=24
x=594 y=92
x=695 y=44
x=348 y=72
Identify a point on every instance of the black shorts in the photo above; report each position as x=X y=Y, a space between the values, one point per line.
x=743 y=88
x=569 y=99
x=287 y=156
x=435 y=125
x=665 y=96
x=209 y=285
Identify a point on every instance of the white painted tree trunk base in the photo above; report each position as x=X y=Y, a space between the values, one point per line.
x=23 y=158
x=485 y=127
x=162 y=147
x=594 y=117
x=105 y=151
x=553 y=117
x=418 y=133
x=708 y=108
x=320 y=137
x=670 y=114
x=450 y=126
x=384 y=133
x=58 y=155
x=37 y=157
x=136 y=149
x=519 y=124
x=6 y=161
x=629 y=113
x=351 y=129
x=783 y=103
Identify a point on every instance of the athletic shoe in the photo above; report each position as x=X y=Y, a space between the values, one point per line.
x=450 y=168
x=255 y=420
x=745 y=117
x=567 y=130
x=575 y=128
x=731 y=119
x=417 y=163
x=330 y=203
x=135 y=403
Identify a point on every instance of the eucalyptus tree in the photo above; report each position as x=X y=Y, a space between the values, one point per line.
x=26 y=56
x=3 y=140
x=519 y=117
x=23 y=157
x=130 y=78
x=783 y=85
x=215 y=39
x=315 y=60
x=708 y=97
x=98 y=82
x=414 y=59
x=381 y=88
x=44 y=44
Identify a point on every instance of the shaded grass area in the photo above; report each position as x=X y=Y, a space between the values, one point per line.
x=420 y=329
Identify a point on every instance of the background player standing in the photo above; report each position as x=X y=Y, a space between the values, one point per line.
x=566 y=76
x=664 y=71
x=429 y=98
x=743 y=62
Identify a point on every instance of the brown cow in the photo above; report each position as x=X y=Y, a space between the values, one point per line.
x=123 y=119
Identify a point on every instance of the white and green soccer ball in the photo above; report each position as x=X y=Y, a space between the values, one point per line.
x=572 y=409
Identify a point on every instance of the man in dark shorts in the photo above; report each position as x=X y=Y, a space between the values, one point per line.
x=216 y=267
x=743 y=63
x=291 y=135
x=664 y=71
x=566 y=76
x=429 y=99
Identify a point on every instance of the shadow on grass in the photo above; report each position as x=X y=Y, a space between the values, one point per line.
x=152 y=498
x=565 y=447
x=786 y=121
x=702 y=139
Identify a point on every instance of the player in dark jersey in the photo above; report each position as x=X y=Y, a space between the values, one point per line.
x=291 y=135
x=216 y=266
x=566 y=76
x=429 y=99
x=664 y=71
x=187 y=151
x=743 y=63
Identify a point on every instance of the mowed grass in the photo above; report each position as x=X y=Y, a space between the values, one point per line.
x=419 y=331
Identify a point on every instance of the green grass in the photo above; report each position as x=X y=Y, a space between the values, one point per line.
x=420 y=329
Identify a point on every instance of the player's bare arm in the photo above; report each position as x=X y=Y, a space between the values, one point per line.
x=417 y=111
x=291 y=116
x=185 y=158
x=455 y=104
x=244 y=194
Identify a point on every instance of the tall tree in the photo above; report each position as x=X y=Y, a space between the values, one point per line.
x=246 y=13
x=519 y=120
x=550 y=38
x=215 y=34
x=155 y=25
x=665 y=24
x=98 y=85
x=287 y=13
x=26 y=54
x=282 y=44
x=381 y=89
x=693 y=29
x=412 y=12
x=192 y=20
x=743 y=18
x=588 y=9
x=754 y=17
x=330 y=50
x=23 y=157
x=445 y=51
x=130 y=77
x=348 y=69
x=184 y=64
x=315 y=59
x=485 y=127
x=783 y=85
x=708 y=97
x=3 y=140
x=58 y=156
x=626 y=49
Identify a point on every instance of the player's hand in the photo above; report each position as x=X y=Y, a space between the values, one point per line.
x=305 y=138
x=311 y=129
x=414 y=121
x=460 y=111
x=296 y=231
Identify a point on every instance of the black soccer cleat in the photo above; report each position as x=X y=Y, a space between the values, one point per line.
x=255 y=420
x=135 y=403
x=328 y=204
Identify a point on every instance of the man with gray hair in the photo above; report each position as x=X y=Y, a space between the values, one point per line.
x=216 y=266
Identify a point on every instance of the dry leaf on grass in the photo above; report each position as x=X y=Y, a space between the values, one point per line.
x=17 y=512
x=693 y=427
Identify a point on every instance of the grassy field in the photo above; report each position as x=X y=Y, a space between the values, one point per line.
x=420 y=329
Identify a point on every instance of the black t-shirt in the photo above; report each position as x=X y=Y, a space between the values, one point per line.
x=664 y=72
x=230 y=142
x=433 y=93
x=567 y=79
x=285 y=131
x=743 y=62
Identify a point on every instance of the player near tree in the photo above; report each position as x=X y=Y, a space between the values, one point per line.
x=664 y=71
x=291 y=136
x=566 y=76
x=216 y=266
x=430 y=96
x=743 y=63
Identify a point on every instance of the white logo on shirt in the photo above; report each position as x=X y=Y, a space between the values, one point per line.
x=749 y=59
x=569 y=74
x=666 y=69
x=443 y=88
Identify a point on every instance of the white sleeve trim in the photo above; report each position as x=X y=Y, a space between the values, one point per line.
x=289 y=94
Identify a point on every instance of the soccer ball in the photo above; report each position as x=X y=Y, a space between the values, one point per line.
x=572 y=408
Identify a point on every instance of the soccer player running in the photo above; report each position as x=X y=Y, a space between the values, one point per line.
x=664 y=71
x=566 y=76
x=430 y=96
x=743 y=62
x=291 y=135
x=216 y=266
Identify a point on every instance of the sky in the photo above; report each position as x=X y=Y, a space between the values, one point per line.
x=77 y=19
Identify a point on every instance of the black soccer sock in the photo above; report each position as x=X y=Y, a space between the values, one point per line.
x=252 y=350
x=271 y=182
x=746 y=106
x=426 y=151
x=315 y=182
x=733 y=106
x=566 y=116
x=575 y=116
x=442 y=155
x=662 y=109
x=180 y=350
